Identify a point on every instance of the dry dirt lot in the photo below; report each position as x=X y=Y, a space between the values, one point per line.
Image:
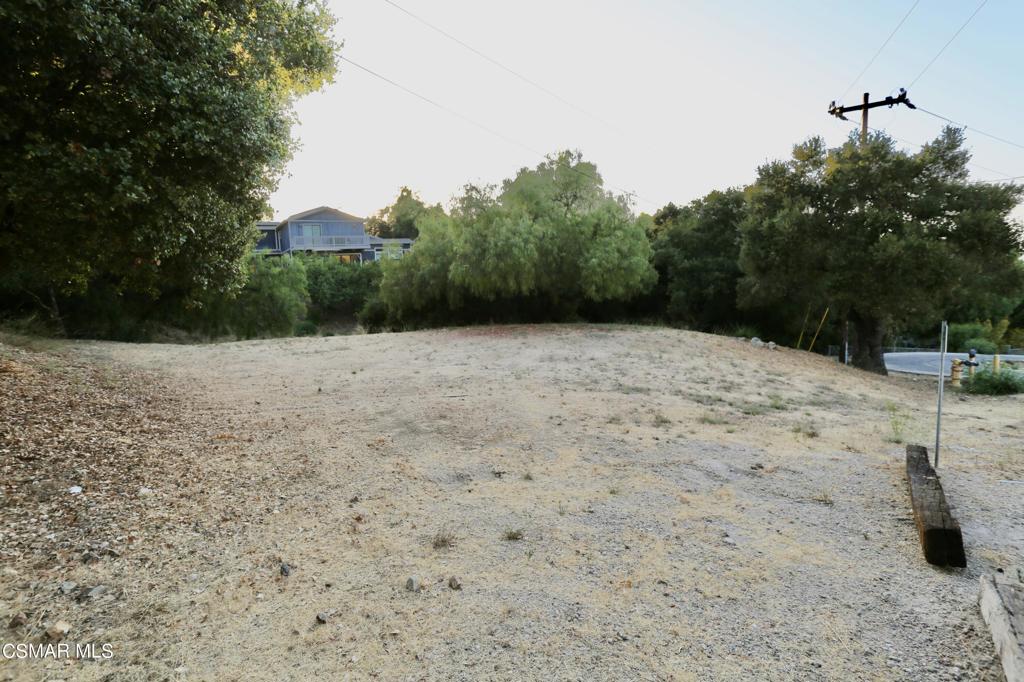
x=616 y=502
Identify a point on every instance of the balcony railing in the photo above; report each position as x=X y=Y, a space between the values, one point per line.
x=330 y=242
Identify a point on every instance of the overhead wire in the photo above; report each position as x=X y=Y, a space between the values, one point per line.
x=485 y=128
x=971 y=128
x=879 y=50
x=942 y=50
x=505 y=68
x=948 y=43
x=1006 y=176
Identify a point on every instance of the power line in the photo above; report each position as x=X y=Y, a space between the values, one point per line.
x=1007 y=179
x=441 y=106
x=879 y=51
x=486 y=129
x=967 y=127
x=943 y=49
x=948 y=43
x=1006 y=176
x=494 y=61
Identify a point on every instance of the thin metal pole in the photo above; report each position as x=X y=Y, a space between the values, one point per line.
x=846 y=342
x=943 y=339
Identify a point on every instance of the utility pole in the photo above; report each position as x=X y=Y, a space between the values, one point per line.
x=889 y=101
x=838 y=112
x=864 y=120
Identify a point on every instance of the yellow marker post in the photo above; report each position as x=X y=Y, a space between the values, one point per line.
x=810 y=348
x=955 y=372
x=995 y=364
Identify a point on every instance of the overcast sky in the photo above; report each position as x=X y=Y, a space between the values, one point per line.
x=670 y=99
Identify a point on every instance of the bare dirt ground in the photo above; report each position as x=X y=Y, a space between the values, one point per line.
x=616 y=502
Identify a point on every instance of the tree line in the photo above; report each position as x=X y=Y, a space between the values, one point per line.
x=141 y=144
x=889 y=242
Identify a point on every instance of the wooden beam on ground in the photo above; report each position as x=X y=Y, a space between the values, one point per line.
x=1002 y=607
x=940 y=535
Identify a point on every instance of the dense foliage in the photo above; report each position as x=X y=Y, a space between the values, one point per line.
x=549 y=241
x=339 y=289
x=987 y=382
x=399 y=219
x=884 y=237
x=696 y=252
x=140 y=141
x=273 y=301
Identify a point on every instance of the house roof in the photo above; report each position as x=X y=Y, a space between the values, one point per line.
x=340 y=215
x=267 y=224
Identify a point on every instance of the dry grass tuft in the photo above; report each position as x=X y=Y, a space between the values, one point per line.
x=443 y=539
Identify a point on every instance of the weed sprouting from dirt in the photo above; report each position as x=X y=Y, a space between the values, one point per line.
x=712 y=418
x=512 y=534
x=898 y=418
x=823 y=497
x=528 y=476
x=661 y=420
x=807 y=429
x=443 y=539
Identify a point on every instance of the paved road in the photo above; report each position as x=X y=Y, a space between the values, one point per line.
x=928 y=363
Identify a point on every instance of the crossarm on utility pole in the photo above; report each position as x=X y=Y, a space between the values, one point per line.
x=890 y=101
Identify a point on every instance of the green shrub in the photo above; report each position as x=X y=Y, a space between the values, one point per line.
x=340 y=288
x=982 y=345
x=745 y=331
x=374 y=315
x=306 y=328
x=550 y=242
x=272 y=302
x=985 y=382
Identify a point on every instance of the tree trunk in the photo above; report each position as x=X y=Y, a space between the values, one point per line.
x=55 y=314
x=868 y=352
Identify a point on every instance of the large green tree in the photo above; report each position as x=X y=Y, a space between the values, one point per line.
x=551 y=240
x=885 y=237
x=399 y=219
x=696 y=252
x=140 y=140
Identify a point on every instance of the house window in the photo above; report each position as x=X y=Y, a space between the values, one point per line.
x=311 y=230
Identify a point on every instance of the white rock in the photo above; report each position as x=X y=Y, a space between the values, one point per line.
x=58 y=630
x=144 y=491
x=75 y=490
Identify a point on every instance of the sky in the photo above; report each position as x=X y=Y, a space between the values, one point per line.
x=670 y=99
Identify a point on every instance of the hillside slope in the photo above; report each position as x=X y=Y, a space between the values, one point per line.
x=616 y=502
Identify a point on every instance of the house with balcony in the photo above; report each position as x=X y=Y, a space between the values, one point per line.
x=327 y=231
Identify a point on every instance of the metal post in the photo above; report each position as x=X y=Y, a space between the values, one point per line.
x=846 y=342
x=943 y=338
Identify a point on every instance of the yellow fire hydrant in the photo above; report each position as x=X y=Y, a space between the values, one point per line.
x=955 y=371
